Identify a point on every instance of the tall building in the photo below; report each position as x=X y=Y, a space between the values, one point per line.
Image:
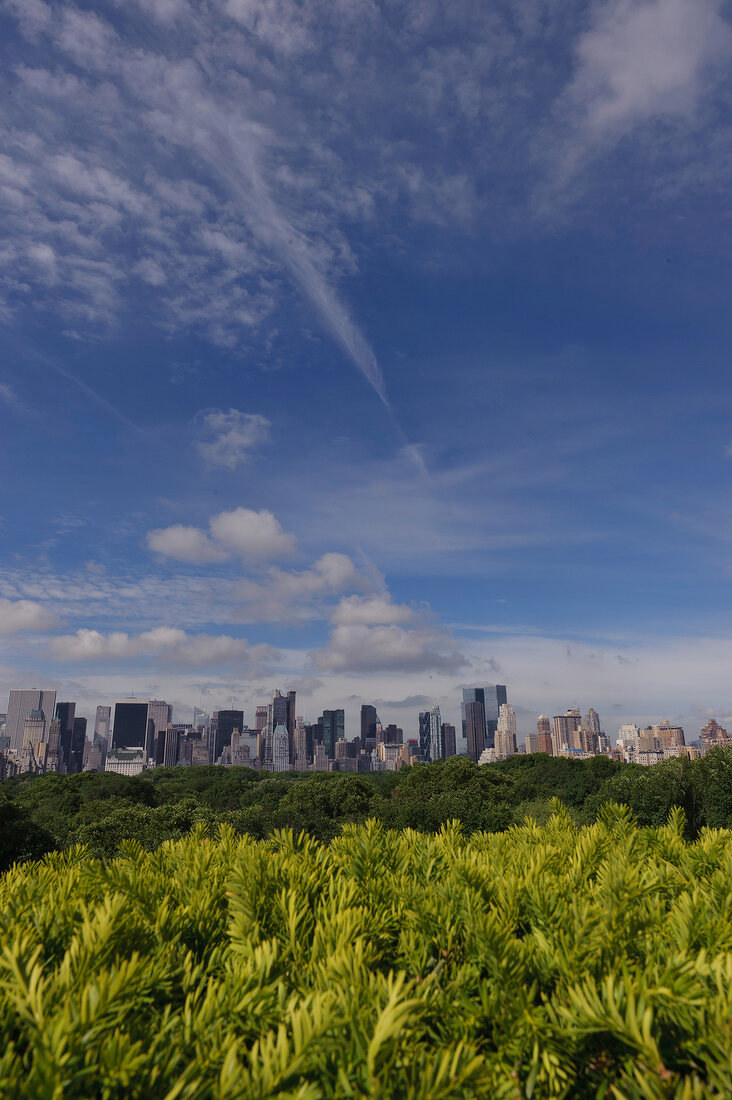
x=78 y=740
x=159 y=717
x=566 y=727
x=103 y=723
x=170 y=750
x=229 y=720
x=505 y=743
x=65 y=713
x=713 y=735
x=491 y=697
x=334 y=727
x=424 y=734
x=544 y=734
x=436 y=751
x=130 y=724
x=369 y=718
x=592 y=721
x=200 y=718
x=34 y=731
x=291 y=722
x=20 y=704
x=260 y=718
x=475 y=729
x=448 y=740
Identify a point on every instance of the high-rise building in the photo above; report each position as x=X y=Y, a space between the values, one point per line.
x=505 y=743
x=491 y=697
x=65 y=712
x=159 y=717
x=34 y=731
x=229 y=720
x=369 y=718
x=20 y=704
x=170 y=750
x=713 y=736
x=130 y=724
x=448 y=740
x=532 y=743
x=475 y=729
x=200 y=718
x=544 y=733
x=103 y=723
x=592 y=721
x=78 y=740
x=436 y=751
x=424 y=735
x=291 y=722
x=334 y=727
x=260 y=718
x=566 y=729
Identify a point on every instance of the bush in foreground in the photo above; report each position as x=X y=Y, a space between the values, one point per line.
x=544 y=961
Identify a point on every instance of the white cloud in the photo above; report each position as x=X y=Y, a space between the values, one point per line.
x=645 y=58
x=286 y=596
x=185 y=544
x=169 y=644
x=253 y=535
x=232 y=436
x=371 y=610
x=359 y=648
x=20 y=615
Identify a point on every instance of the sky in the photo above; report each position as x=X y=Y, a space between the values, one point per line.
x=370 y=349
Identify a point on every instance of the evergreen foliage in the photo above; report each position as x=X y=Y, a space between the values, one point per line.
x=542 y=961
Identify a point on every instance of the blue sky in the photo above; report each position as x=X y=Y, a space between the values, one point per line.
x=369 y=348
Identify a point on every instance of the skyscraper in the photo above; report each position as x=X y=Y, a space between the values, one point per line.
x=78 y=740
x=334 y=722
x=130 y=724
x=448 y=739
x=436 y=751
x=103 y=722
x=280 y=749
x=566 y=726
x=475 y=729
x=229 y=720
x=592 y=721
x=159 y=717
x=491 y=697
x=369 y=718
x=424 y=734
x=20 y=704
x=544 y=734
x=291 y=722
x=65 y=713
x=505 y=744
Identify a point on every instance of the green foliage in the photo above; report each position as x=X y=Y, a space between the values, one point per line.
x=542 y=961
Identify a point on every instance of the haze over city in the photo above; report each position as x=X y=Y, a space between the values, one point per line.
x=373 y=351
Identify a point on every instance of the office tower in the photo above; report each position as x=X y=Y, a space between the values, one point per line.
x=229 y=720
x=475 y=729
x=544 y=733
x=260 y=719
x=390 y=735
x=532 y=744
x=334 y=722
x=102 y=723
x=53 y=755
x=78 y=740
x=301 y=746
x=34 y=730
x=291 y=722
x=200 y=718
x=20 y=704
x=592 y=721
x=565 y=727
x=130 y=724
x=491 y=697
x=65 y=713
x=435 y=741
x=170 y=750
x=369 y=718
x=424 y=734
x=505 y=742
x=448 y=740
x=159 y=717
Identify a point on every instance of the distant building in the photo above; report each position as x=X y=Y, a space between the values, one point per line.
x=334 y=727
x=103 y=723
x=448 y=740
x=129 y=761
x=491 y=697
x=435 y=744
x=566 y=729
x=475 y=729
x=544 y=734
x=20 y=704
x=229 y=720
x=505 y=740
x=369 y=718
x=713 y=735
x=130 y=724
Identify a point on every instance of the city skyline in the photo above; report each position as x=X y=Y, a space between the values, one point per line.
x=380 y=351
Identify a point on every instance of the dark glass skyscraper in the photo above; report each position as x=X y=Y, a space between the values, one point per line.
x=334 y=727
x=424 y=734
x=475 y=729
x=490 y=697
x=78 y=739
x=369 y=718
x=65 y=713
x=130 y=724
x=229 y=720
